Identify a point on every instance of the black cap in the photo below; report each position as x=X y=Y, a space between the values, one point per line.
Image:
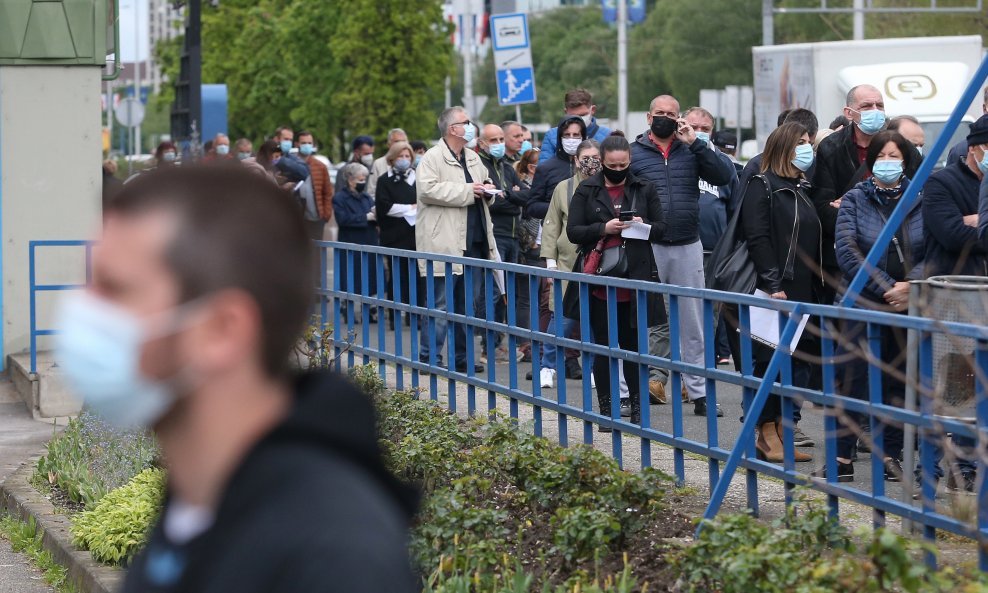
x=725 y=139
x=979 y=132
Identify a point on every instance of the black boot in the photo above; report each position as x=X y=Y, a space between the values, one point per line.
x=605 y=409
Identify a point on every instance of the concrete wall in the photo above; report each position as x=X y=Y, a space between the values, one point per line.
x=50 y=184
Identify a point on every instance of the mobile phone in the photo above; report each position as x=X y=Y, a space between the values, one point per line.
x=627 y=215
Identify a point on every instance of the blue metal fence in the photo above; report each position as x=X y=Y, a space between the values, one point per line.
x=36 y=288
x=361 y=342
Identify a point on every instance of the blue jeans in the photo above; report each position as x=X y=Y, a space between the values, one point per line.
x=459 y=308
x=571 y=328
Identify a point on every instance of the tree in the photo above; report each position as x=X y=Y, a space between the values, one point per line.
x=394 y=57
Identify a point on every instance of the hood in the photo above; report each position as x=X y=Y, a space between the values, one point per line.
x=331 y=414
x=565 y=123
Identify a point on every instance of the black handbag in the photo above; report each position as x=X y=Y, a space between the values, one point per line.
x=614 y=258
x=730 y=267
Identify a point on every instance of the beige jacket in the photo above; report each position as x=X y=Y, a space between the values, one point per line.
x=378 y=169
x=555 y=243
x=443 y=198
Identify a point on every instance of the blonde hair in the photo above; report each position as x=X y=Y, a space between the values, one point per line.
x=396 y=150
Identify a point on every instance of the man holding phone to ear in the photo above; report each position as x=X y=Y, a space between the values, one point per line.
x=670 y=155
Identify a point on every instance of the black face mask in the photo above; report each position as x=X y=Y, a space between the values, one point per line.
x=663 y=127
x=361 y=187
x=615 y=176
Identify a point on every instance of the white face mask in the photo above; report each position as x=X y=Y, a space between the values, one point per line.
x=367 y=160
x=571 y=144
x=99 y=348
x=587 y=120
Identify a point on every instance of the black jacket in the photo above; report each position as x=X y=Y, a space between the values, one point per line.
x=590 y=210
x=311 y=508
x=836 y=171
x=549 y=173
x=783 y=234
x=393 y=188
x=677 y=179
x=952 y=247
x=506 y=208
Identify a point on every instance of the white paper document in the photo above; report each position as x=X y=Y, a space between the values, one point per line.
x=765 y=325
x=410 y=218
x=637 y=230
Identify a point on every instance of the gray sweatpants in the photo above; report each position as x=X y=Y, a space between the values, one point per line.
x=681 y=265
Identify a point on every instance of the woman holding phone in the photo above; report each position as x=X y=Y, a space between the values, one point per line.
x=603 y=206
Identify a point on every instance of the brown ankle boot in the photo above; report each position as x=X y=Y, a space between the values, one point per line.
x=768 y=444
x=798 y=456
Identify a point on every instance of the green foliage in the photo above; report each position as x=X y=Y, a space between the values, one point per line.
x=88 y=459
x=117 y=527
x=395 y=56
x=582 y=532
x=26 y=538
x=809 y=552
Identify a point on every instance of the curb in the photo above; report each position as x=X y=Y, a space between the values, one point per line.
x=20 y=499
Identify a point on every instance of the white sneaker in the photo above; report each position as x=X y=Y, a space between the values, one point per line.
x=547 y=377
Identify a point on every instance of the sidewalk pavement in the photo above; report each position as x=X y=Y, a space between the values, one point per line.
x=20 y=438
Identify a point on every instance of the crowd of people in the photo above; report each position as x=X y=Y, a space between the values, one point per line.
x=653 y=206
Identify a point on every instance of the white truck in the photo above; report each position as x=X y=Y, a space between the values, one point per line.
x=919 y=76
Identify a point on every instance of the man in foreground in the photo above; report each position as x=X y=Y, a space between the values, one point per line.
x=276 y=482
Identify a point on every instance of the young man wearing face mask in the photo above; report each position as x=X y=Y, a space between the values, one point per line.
x=186 y=329
x=363 y=151
x=453 y=218
x=674 y=160
x=838 y=168
x=380 y=166
x=514 y=139
x=321 y=184
x=578 y=103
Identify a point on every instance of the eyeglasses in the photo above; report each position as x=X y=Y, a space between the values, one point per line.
x=461 y=123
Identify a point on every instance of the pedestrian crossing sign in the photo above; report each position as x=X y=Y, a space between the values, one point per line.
x=515 y=86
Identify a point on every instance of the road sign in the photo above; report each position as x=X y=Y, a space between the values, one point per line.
x=130 y=112
x=513 y=59
x=515 y=86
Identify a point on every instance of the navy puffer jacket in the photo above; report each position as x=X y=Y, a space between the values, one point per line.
x=859 y=222
x=677 y=179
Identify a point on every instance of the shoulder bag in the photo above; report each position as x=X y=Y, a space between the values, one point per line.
x=730 y=267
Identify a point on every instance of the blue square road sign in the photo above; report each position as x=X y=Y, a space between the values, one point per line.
x=515 y=86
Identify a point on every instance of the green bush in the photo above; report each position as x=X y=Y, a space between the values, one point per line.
x=809 y=552
x=116 y=528
x=88 y=459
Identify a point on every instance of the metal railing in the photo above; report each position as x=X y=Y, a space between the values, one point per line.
x=362 y=343
x=36 y=288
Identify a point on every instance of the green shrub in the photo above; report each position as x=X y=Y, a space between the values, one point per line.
x=88 y=459
x=116 y=528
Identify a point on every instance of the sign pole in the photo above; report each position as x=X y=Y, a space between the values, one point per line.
x=518 y=113
x=622 y=35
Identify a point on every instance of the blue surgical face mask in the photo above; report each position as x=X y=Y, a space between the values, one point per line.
x=887 y=171
x=402 y=165
x=222 y=149
x=286 y=146
x=243 y=156
x=872 y=120
x=497 y=150
x=525 y=147
x=469 y=133
x=703 y=136
x=983 y=163
x=418 y=159
x=99 y=349
x=306 y=149
x=804 y=157
x=169 y=156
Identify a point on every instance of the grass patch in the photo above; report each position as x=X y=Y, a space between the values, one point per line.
x=25 y=538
